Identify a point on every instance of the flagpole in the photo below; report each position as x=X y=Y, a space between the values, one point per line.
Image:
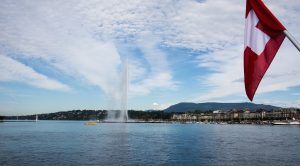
x=292 y=39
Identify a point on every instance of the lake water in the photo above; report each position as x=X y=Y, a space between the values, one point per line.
x=73 y=143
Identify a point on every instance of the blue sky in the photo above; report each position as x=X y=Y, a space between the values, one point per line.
x=64 y=55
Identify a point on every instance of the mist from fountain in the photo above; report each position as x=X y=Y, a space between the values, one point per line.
x=120 y=115
x=124 y=92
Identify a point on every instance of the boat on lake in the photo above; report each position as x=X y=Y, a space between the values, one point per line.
x=91 y=122
x=287 y=122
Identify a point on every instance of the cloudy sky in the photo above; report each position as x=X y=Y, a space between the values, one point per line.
x=63 y=55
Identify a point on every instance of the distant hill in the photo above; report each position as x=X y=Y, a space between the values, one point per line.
x=210 y=106
x=64 y=115
x=151 y=110
x=93 y=115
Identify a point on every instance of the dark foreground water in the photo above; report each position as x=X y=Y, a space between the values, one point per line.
x=73 y=143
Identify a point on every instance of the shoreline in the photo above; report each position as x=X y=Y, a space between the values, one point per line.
x=169 y=122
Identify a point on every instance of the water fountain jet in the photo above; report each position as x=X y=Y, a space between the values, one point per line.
x=124 y=91
x=121 y=98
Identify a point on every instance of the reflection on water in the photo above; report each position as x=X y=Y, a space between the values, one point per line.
x=73 y=143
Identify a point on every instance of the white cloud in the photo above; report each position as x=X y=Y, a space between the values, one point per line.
x=79 y=39
x=281 y=103
x=157 y=106
x=69 y=38
x=227 y=76
x=227 y=73
x=11 y=70
x=184 y=23
x=227 y=64
x=206 y=25
x=49 y=31
x=159 y=75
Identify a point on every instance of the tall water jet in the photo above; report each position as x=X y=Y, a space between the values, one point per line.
x=119 y=111
x=124 y=91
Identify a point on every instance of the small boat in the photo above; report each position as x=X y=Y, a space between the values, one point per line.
x=287 y=122
x=91 y=123
x=294 y=123
x=280 y=123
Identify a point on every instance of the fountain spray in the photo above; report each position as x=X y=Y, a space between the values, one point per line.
x=124 y=91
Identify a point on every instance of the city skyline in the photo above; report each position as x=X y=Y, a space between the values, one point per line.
x=58 y=56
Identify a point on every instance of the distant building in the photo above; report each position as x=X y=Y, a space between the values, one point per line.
x=238 y=115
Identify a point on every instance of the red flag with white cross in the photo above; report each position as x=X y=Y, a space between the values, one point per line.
x=263 y=36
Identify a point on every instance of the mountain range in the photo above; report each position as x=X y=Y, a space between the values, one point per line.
x=211 y=106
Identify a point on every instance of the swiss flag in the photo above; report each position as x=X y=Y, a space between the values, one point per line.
x=263 y=37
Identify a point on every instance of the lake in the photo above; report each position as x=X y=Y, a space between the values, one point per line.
x=73 y=143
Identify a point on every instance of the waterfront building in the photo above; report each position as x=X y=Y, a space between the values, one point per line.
x=235 y=115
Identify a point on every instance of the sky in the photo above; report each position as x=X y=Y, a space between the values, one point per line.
x=65 y=55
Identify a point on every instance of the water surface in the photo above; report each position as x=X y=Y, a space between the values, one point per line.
x=73 y=143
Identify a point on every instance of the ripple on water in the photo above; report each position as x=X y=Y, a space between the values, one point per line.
x=72 y=143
